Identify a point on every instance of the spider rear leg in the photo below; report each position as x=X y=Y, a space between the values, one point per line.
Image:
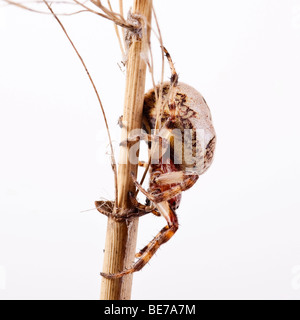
x=148 y=251
x=146 y=208
x=141 y=252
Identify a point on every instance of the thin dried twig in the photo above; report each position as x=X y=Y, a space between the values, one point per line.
x=117 y=18
x=122 y=15
x=53 y=2
x=159 y=99
x=113 y=161
x=158 y=116
x=117 y=32
x=110 y=15
x=23 y=6
x=121 y=8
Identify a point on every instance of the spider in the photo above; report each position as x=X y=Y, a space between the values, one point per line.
x=178 y=156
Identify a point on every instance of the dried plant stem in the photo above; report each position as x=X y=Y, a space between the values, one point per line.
x=121 y=236
x=122 y=15
x=117 y=32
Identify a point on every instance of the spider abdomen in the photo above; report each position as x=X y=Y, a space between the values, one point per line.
x=192 y=136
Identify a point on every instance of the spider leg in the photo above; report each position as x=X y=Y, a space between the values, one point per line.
x=142 y=207
x=146 y=209
x=169 y=178
x=140 y=188
x=147 y=253
x=174 y=76
x=160 y=141
x=187 y=182
x=107 y=208
x=135 y=138
x=173 y=85
x=141 y=252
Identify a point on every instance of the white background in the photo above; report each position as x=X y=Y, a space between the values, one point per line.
x=239 y=225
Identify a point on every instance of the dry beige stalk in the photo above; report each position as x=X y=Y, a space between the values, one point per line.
x=117 y=32
x=121 y=237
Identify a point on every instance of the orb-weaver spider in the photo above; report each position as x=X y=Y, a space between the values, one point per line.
x=178 y=156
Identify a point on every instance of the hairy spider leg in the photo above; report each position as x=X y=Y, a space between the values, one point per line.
x=174 y=76
x=141 y=252
x=173 y=84
x=187 y=182
x=105 y=207
x=162 y=237
x=142 y=207
x=135 y=212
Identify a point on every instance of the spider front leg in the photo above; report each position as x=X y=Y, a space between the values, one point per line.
x=174 y=76
x=147 y=253
x=107 y=209
x=142 y=207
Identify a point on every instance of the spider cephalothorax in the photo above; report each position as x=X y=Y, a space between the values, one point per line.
x=181 y=139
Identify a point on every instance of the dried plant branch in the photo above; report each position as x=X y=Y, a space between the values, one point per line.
x=117 y=33
x=122 y=15
x=108 y=12
x=20 y=5
x=113 y=161
x=53 y=2
x=110 y=15
x=151 y=69
x=158 y=117
x=23 y=6
x=121 y=8
x=91 y=10
x=117 y=18
x=159 y=98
